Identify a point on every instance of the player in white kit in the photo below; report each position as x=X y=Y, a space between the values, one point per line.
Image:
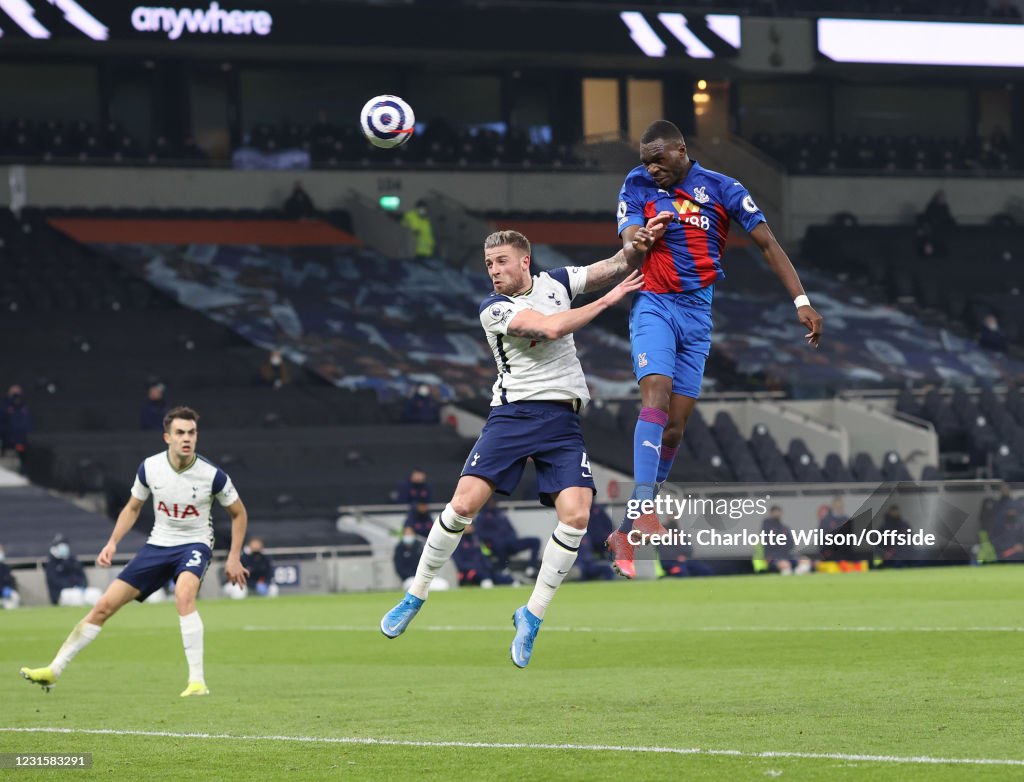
x=183 y=485
x=529 y=322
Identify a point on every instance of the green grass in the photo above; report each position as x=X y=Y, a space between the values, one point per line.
x=752 y=664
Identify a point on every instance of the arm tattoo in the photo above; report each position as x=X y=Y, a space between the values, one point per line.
x=607 y=272
x=519 y=331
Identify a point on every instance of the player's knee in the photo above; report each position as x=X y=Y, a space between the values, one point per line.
x=576 y=518
x=102 y=611
x=465 y=504
x=656 y=391
x=186 y=604
x=673 y=435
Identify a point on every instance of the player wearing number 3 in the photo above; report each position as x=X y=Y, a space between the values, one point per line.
x=183 y=485
x=529 y=322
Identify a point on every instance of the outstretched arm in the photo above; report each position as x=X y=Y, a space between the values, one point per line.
x=640 y=240
x=533 y=325
x=125 y=521
x=779 y=263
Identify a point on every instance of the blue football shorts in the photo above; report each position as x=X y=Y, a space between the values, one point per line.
x=547 y=432
x=670 y=335
x=154 y=566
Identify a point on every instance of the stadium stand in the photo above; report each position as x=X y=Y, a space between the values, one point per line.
x=298 y=452
x=334 y=309
x=46 y=516
x=963 y=278
x=77 y=141
x=977 y=430
x=813 y=153
x=318 y=145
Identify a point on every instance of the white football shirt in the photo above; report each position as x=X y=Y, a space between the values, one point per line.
x=182 y=501
x=536 y=369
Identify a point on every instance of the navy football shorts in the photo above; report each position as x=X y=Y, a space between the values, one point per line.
x=154 y=566
x=548 y=432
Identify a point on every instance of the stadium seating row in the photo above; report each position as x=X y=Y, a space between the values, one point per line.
x=987 y=427
x=721 y=453
x=965 y=272
x=814 y=153
x=297 y=473
x=327 y=146
x=81 y=141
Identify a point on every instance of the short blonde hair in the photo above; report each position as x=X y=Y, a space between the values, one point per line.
x=511 y=238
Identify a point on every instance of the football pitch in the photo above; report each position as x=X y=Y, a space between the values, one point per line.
x=883 y=675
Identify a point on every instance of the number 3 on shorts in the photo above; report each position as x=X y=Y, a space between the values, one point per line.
x=196 y=560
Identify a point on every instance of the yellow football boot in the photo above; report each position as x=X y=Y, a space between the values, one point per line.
x=195 y=688
x=44 y=677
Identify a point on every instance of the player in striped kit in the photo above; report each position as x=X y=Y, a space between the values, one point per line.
x=670 y=319
x=540 y=388
x=183 y=485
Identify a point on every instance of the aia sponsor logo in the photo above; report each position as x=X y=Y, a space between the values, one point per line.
x=177 y=511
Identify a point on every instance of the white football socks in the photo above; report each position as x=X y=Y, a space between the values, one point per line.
x=441 y=543
x=559 y=556
x=192 y=638
x=83 y=635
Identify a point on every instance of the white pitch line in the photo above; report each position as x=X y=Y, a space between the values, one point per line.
x=359 y=740
x=584 y=629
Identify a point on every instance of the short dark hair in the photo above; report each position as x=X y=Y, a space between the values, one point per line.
x=513 y=239
x=184 y=413
x=661 y=130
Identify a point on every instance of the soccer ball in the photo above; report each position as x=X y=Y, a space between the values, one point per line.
x=387 y=121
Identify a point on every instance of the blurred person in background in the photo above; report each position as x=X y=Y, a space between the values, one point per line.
x=677 y=559
x=298 y=204
x=778 y=549
x=495 y=529
x=598 y=530
x=15 y=423
x=417 y=222
x=154 y=409
x=65 y=576
x=1008 y=536
x=414 y=489
x=407 y=556
x=895 y=554
x=992 y=337
x=419 y=519
x=421 y=407
x=833 y=521
x=937 y=212
x=9 y=597
x=590 y=566
x=274 y=371
x=473 y=565
x=261 y=569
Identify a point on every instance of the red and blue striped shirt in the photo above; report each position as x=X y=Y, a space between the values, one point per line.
x=689 y=255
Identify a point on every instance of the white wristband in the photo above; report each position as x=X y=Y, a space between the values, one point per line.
x=802 y=301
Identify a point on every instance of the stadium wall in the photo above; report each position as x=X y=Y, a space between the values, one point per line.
x=806 y=200
x=209 y=189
